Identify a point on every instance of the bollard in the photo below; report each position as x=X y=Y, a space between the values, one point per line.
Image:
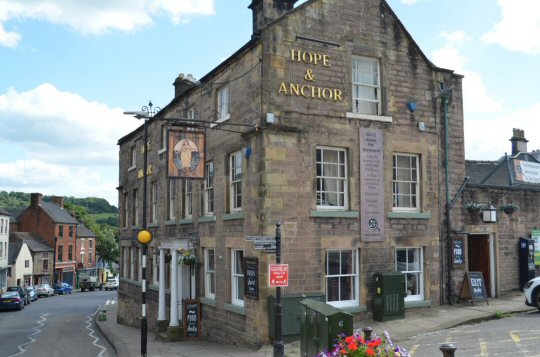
x=367 y=333
x=102 y=315
x=448 y=349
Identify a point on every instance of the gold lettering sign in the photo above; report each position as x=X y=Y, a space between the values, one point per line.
x=310 y=90
x=149 y=170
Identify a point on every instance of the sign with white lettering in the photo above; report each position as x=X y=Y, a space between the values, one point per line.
x=526 y=171
x=192 y=318
x=260 y=239
x=278 y=275
x=265 y=245
x=458 y=253
x=473 y=287
x=251 y=277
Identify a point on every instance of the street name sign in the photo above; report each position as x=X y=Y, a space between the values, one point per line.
x=260 y=239
x=278 y=275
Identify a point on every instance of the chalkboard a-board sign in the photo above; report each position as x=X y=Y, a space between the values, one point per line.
x=457 y=252
x=251 y=277
x=192 y=318
x=473 y=287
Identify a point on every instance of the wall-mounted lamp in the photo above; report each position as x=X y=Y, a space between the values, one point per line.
x=489 y=214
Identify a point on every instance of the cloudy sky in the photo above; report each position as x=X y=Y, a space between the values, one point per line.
x=68 y=69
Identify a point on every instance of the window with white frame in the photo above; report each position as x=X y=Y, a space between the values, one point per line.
x=237 y=277
x=172 y=200
x=210 y=274
x=163 y=138
x=223 y=103
x=331 y=178
x=1 y=250
x=135 y=206
x=366 y=88
x=154 y=202
x=82 y=245
x=405 y=182
x=188 y=199
x=90 y=244
x=235 y=177
x=191 y=113
x=125 y=210
x=209 y=189
x=342 y=285
x=409 y=261
x=132 y=157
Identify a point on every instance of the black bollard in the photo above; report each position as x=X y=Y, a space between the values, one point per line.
x=448 y=349
x=367 y=333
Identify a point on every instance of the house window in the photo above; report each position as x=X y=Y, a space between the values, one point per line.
x=154 y=202
x=61 y=231
x=132 y=157
x=89 y=257
x=210 y=274
x=405 y=182
x=163 y=140
x=366 y=88
x=60 y=253
x=90 y=242
x=27 y=263
x=188 y=201
x=125 y=209
x=409 y=261
x=331 y=178
x=223 y=103
x=237 y=258
x=135 y=206
x=172 y=200
x=82 y=244
x=342 y=277
x=82 y=258
x=235 y=178
x=45 y=265
x=191 y=113
x=71 y=231
x=1 y=250
x=209 y=189
x=70 y=252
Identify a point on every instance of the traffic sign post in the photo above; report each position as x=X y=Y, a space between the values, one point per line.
x=279 y=345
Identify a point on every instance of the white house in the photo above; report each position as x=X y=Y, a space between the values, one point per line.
x=4 y=240
x=21 y=264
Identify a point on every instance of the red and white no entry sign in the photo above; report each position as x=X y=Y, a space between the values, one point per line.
x=278 y=274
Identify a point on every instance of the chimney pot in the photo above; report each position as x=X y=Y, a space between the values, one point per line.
x=59 y=200
x=266 y=11
x=519 y=143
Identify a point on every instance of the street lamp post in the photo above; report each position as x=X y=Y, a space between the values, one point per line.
x=144 y=236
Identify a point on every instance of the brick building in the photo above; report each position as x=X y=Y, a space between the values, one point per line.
x=330 y=121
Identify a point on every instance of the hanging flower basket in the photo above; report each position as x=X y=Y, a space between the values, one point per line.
x=473 y=207
x=509 y=209
x=187 y=258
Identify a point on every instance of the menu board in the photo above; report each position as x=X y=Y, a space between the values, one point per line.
x=192 y=318
x=457 y=252
x=251 y=277
x=473 y=287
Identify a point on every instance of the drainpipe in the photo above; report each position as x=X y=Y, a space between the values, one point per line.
x=445 y=97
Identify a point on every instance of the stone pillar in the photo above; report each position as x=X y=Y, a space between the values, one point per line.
x=174 y=331
x=155 y=266
x=161 y=297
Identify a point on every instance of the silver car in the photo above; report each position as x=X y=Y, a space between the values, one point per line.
x=44 y=290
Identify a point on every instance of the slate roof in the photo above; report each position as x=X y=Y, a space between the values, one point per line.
x=33 y=241
x=83 y=232
x=14 y=250
x=58 y=214
x=4 y=212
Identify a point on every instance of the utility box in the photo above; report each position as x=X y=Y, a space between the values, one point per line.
x=320 y=327
x=389 y=302
x=526 y=261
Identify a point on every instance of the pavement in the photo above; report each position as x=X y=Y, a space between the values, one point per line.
x=127 y=340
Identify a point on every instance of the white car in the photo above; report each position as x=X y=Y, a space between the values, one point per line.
x=532 y=292
x=111 y=284
x=44 y=290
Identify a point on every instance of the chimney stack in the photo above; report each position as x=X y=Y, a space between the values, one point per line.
x=266 y=11
x=35 y=199
x=182 y=84
x=58 y=200
x=519 y=143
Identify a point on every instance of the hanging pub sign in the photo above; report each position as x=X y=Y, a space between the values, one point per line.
x=251 y=280
x=192 y=318
x=457 y=253
x=186 y=154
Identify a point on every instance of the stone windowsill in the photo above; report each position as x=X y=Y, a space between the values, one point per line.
x=153 y=225
x=334 y=214
x=235 y=308
x=410 y=215
x=131 y=168
x=173 y=222
x=385 y=119
x=233 y=216
x=204 y=219
x=207 y=301
x=161 y=151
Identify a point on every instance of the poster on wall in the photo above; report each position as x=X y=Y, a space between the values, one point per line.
x=525 y=171
x=371 y=185
x=535 y=235
x=186 y=154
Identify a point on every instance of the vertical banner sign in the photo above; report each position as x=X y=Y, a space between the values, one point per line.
x=192 y=318
x=371 y=185
x=535 y=235
x=251 y=277
x=457 y=253
x=186 y=154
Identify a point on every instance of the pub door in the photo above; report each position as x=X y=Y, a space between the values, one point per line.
x=479 y=254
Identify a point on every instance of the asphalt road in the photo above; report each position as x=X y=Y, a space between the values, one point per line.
x=514 y=336
x=61 y=325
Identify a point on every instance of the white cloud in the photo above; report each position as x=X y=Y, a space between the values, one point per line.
x=519 y=28
x=68 y=144
x=97 y=16
x=476 y=98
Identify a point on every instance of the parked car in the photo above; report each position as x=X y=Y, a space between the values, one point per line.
x=532 y=292
x=44 y=290
x=91 y=283
x=11 y=300
x=22 y=292
x=111 y=284
x=32 y=293
x=62 y=288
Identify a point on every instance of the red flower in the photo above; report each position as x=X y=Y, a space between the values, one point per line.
x=349 y=339
x=370 y=352
x=352 y=346
x=375 y=343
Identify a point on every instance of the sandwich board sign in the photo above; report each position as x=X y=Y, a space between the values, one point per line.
x=473 y=287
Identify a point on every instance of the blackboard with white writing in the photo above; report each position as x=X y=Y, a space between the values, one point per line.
x=458 y=252
x=251 y=277
x=192 y=318
x=473 y=287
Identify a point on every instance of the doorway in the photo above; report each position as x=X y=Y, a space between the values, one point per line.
x=480 y=255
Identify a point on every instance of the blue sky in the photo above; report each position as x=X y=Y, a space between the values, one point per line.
x=68 y=69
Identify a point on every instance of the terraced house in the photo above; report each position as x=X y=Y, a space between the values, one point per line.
x=329 y=120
